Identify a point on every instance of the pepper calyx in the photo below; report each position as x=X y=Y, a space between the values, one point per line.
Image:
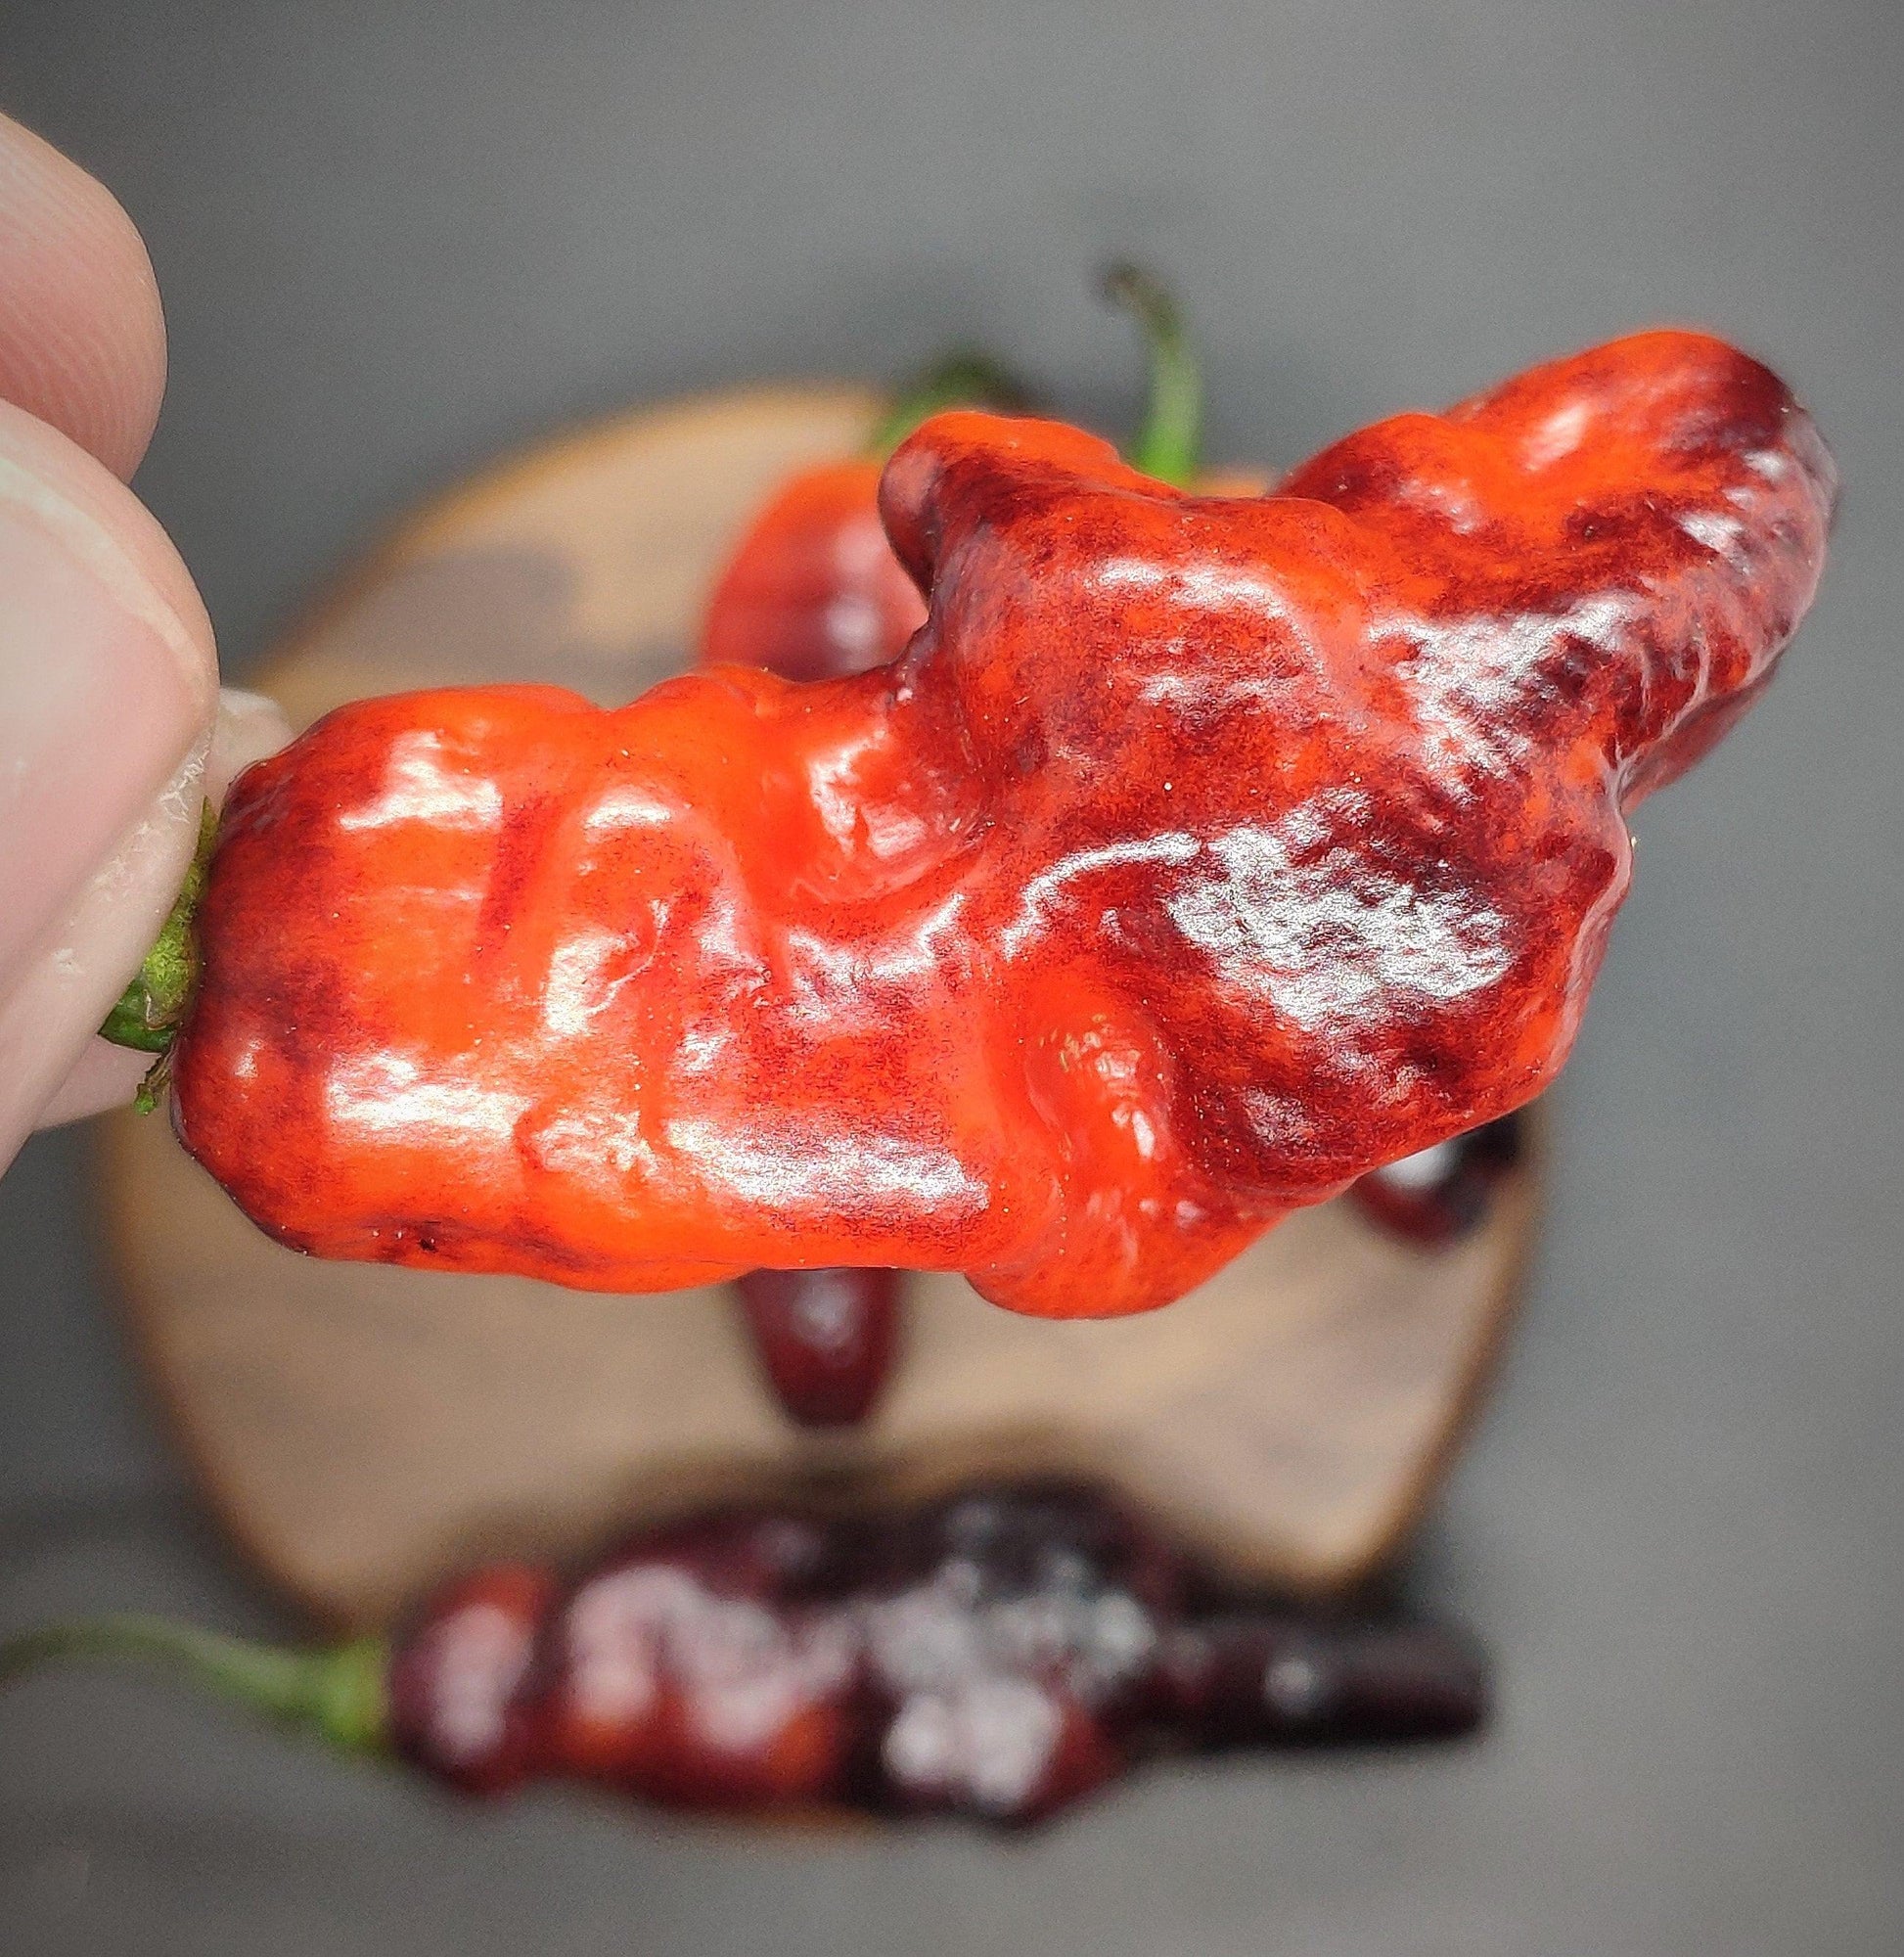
x=148 y=1013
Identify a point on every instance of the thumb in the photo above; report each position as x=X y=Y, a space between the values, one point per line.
x=108 y=690
x=249 y=727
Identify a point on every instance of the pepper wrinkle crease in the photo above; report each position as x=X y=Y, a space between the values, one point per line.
x=1199 y=855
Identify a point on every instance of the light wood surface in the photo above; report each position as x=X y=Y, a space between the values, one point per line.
x=362 y=1430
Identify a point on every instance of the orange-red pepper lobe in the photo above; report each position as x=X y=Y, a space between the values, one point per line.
x=1199 y=855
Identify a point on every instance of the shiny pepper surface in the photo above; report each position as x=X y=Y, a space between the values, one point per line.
x=1199 y=855
x=813 y=591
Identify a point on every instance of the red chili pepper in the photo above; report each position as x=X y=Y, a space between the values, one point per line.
x=813 y=591
x=997 y=1655
x=1199 y=855
x=826 y=1338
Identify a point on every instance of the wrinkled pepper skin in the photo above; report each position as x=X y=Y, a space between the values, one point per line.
x=813 y=591
x=1199 y=855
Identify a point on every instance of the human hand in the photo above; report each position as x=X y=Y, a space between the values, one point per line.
x=112 y=725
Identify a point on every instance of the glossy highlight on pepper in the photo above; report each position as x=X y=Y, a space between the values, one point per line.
x=1199 y=855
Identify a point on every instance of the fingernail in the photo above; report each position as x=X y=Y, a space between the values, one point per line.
x=102 y=696
x=249 y=727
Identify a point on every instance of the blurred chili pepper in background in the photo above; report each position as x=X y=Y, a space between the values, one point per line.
x=997 y=1654
x=812 y=590
x=1441 y=1193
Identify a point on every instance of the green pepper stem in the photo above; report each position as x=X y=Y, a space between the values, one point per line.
x=149 y=1008
x=961 y=379
x=1169 y=445
x=337 y=1694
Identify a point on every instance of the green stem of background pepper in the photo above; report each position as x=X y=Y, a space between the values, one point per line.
x=337 y=1694
x=961 y=379
x=1169 y=445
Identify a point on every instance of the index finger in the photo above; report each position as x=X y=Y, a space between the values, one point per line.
x=82 y=338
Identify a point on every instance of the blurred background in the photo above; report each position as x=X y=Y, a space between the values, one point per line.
x=395 y=239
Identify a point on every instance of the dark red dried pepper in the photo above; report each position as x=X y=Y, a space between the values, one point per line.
x=1199 y=855
x=997 y=1655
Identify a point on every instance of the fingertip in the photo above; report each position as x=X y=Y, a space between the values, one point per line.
x=82 y=334
x=104 y=1076
x=95 y=955
x=107 y=673
x=249 y=726
x=53 y=485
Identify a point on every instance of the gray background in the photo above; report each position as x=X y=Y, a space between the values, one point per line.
x=395 y=237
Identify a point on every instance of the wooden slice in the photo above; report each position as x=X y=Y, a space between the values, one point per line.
x=363 y=1430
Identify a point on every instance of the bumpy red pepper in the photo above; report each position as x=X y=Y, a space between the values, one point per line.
x=812 y=591
x=1199 y=855
x=998 y=1656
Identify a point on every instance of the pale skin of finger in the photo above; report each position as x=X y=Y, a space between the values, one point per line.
x=108 y=691
x=82 y=340
x=108 y=671
x=249 y=728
